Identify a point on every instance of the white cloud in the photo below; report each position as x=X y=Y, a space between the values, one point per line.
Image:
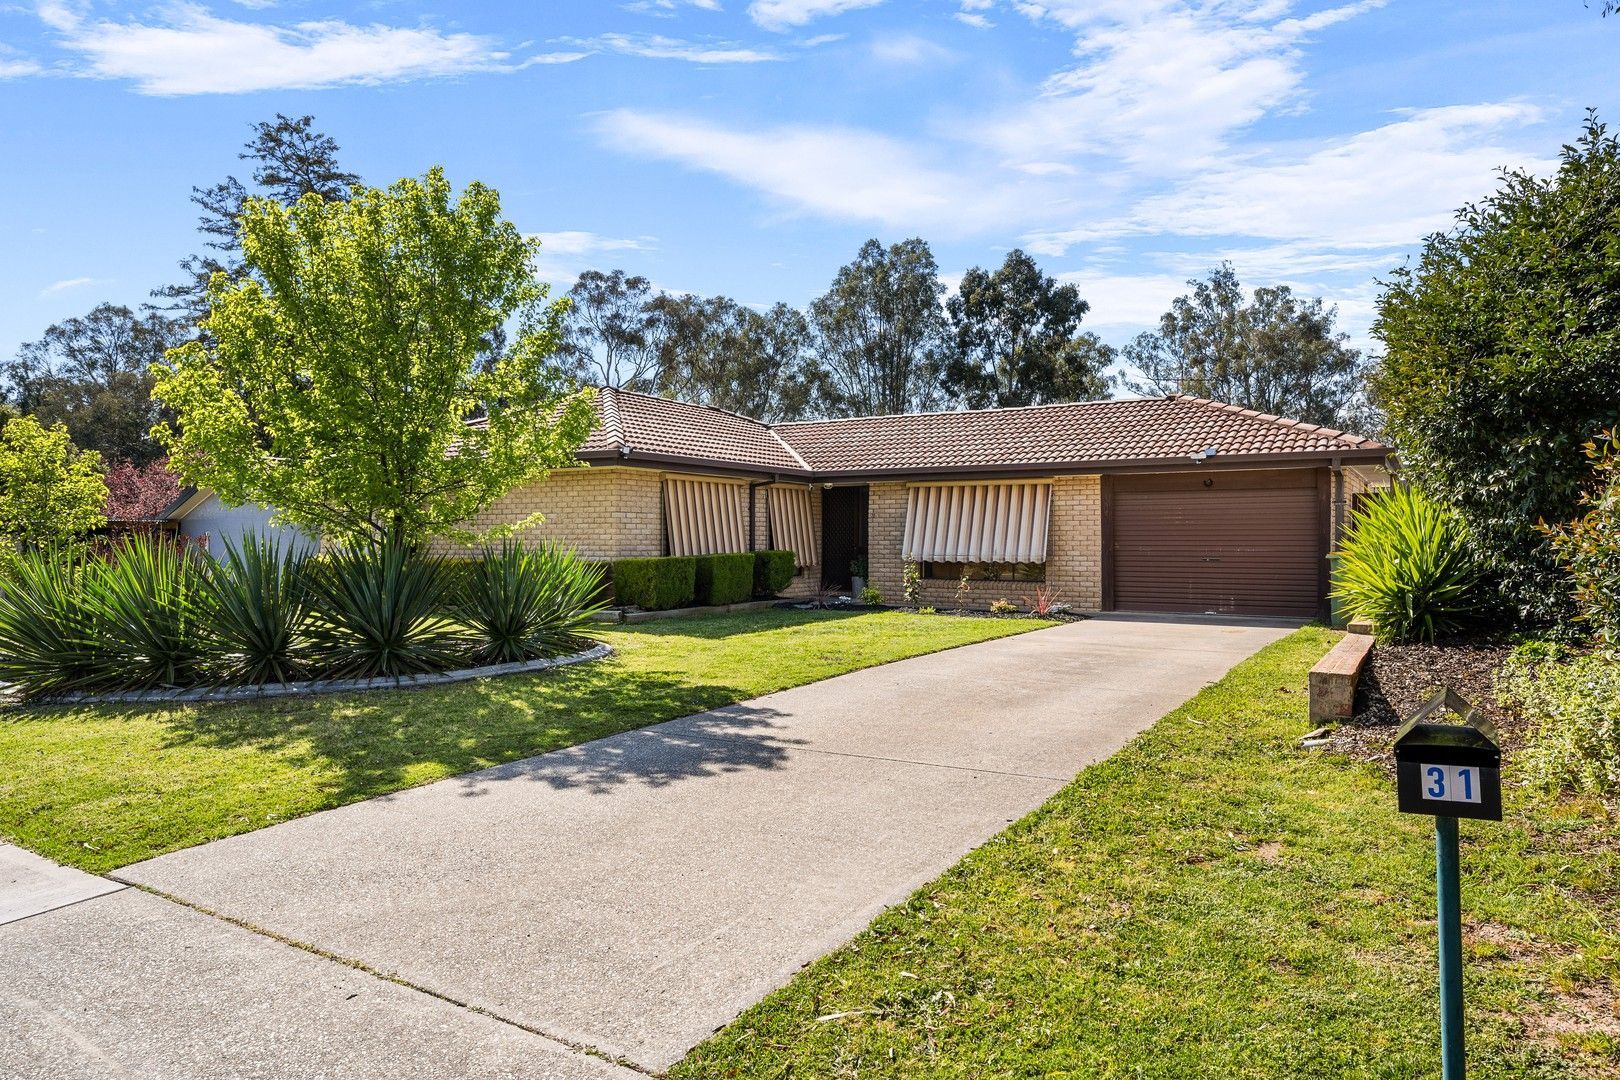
x=665 y=9
x=909 y=49
x=16 y=69
x=1383 y=188
x=1124 y=301
x=1162 y=84
x=65 y=285
x=563 y=255
x=973 y=19
x=657 y=47
x=841 y=173
x=785 y=14
x=190 y=51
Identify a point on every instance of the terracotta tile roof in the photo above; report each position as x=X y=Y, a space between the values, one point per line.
x=658 y=427
x=1084 y=434
x=1093 y=433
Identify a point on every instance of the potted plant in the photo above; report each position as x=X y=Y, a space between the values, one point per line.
x=857 y=576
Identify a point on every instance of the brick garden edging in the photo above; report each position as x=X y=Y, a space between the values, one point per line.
x=325 y=686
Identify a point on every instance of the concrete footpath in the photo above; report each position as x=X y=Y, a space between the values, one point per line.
x=621 y=899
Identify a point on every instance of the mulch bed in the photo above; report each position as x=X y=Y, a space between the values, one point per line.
x=1400 y=678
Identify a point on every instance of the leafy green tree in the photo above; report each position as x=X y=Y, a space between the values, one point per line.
x=1018 y=340
x=611 y=336
x=336 y=381
x=291 y=159
x=93 y=373
x=51 y=492
x=1502 y=360
x=1274 y=352
x=717 y=352
x=881 y=332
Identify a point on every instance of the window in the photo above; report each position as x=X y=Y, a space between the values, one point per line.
x=977 y=522
x=952 y=571
x=703 y=517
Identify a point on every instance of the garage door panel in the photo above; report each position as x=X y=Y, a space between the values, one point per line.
x=1224 y=549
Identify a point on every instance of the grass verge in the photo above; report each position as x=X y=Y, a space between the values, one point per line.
x=1214 y=901
x=103 y=787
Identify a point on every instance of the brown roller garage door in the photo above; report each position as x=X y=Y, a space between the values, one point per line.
x=1245 y=545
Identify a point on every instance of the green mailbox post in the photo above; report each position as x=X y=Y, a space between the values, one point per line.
x=1449 y=771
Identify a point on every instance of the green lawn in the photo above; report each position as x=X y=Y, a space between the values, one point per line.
x=1214 y=901
x=104 y=787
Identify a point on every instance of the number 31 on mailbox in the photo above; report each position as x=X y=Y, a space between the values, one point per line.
x=1449 y=770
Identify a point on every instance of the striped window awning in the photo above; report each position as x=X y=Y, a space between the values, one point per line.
x=792 y=527
x=977 y=522
x=704 y=517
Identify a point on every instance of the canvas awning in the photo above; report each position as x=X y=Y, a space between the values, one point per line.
x=704 y=517
x=792 y=527
x=977 y=522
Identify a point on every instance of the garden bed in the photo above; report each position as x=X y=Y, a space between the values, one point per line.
x=1399 y=678
x=307 y=687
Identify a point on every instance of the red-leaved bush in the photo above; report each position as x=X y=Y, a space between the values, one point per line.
x=140 y=492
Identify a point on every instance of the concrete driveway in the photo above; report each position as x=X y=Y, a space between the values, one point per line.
x=629 y=896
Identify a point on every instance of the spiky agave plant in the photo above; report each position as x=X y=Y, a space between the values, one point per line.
x=1405 y=564
x=383 y=610
x=522 y=602
x=151 y=602
x=261 y=606
x=48 y=638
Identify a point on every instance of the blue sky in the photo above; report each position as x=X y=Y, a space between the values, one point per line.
x=723 y=146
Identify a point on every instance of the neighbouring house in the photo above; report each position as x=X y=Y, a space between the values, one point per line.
x=199 y=516
x=1172 y=504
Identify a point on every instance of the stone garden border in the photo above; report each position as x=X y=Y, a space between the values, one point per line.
x=324 y=686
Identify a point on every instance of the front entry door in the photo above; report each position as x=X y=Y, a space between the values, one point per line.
x=843 y=533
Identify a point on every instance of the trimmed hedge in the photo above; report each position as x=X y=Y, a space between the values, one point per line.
x=656 y=584
x=773 y=571
x=725 y=579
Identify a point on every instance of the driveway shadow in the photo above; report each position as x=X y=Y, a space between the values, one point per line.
x=728 y=740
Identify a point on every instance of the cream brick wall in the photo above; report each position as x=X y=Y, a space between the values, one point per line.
x=617 y=513
x=611 y=513
x=1074 y=549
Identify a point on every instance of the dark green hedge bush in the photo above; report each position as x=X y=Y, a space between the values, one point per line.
x=725 y=579
x=655 y=584
x=773 y=571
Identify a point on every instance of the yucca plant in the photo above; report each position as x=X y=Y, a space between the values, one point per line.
x=151 y=602
x=48 y=637
x=1405 y=565
x=382 y=610
x=524 y=602
x=260 y=613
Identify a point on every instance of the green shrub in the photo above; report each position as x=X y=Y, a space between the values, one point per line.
x=1573 y=707
x=724 y=579
x=1502 y=356
x=773 y=571
x=871 y=596
x=381 y=611
x=48 y=638
x=151 y=604
x=1003 y=606
x=655 y=584
x=260 y=613
x=522 y=602
x=1589 y=546
x=1405 y=564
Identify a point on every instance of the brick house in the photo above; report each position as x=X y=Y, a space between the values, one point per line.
x=1173 y=504
x=1166 y=504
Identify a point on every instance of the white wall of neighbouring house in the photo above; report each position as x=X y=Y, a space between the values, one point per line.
x=216 y=521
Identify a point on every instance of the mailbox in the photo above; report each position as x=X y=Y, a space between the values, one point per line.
x=1448 y=769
